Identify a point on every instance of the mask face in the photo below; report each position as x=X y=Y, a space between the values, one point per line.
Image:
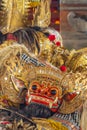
x=44 y=95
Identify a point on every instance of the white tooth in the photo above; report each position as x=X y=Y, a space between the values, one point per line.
x=50 y=105
x=29 y=100
x=28 y=93
x=56 y=100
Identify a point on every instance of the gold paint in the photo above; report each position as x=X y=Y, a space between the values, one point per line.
x=17 y=13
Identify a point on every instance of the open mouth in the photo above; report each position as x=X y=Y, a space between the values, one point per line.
x=48 y=102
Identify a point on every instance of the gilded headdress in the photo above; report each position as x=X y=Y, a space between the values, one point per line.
x=16 y=14
x=78 y=60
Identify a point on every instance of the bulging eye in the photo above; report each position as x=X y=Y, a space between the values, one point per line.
x=34 y=87
x=53 y=92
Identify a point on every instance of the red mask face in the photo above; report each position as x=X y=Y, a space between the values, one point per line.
x=45 y=94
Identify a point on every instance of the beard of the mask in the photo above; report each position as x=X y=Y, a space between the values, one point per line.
x=37 y=110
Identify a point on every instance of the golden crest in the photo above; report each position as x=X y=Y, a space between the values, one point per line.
x=19 y=69
x=78 y=60
x=16 y=14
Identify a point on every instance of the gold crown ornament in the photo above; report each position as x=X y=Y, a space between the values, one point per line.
x=17 y=14
x=21 y=18
x=78 y=60
x=12 y=75
x=19 y=69
x=51 y=46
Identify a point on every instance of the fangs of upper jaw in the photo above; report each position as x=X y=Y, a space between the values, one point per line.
x=50 y=105
x=29 y=100
x=56 y=100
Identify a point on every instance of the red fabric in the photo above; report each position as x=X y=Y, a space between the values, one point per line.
x=69 y=96
x=10 y=36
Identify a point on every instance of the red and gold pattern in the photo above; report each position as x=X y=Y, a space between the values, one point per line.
x=45 y=89
x=19 y=74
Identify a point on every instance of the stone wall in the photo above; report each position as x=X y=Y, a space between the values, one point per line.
x=73 y=1
x=73 y=23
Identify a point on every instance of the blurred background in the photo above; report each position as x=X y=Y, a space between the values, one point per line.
x=69 y=17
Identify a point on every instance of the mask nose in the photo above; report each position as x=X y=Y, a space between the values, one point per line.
x=44 y=91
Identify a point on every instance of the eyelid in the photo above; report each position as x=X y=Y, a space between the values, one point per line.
x=54 y=88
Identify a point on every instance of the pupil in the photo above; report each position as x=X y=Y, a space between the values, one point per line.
x=34 y=87
x=53 y=92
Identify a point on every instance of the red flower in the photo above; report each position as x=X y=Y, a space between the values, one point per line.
x=51 y=37
x=63 y=68
x=58 y=43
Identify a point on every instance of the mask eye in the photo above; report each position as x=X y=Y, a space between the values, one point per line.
x=34 y=87
x=53 y=92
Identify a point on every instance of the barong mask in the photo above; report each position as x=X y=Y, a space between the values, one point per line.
x=44 y=93
x=24 y=72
